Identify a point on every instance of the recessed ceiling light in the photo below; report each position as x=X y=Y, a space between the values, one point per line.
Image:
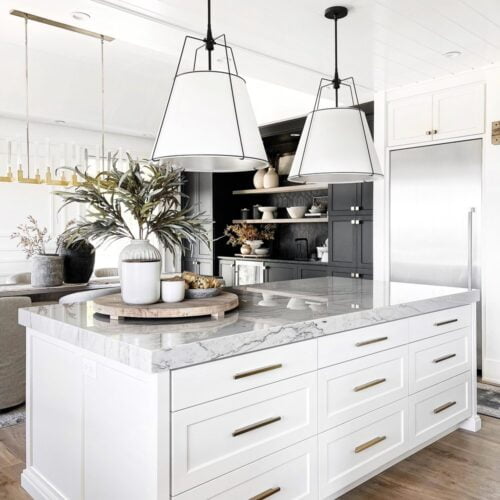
x=294 y=134
x=60 y=122
x=452 y=53
x=80 y=16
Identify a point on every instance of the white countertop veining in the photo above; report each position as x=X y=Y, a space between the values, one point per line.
x=269 y=315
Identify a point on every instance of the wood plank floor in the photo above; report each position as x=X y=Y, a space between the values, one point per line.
x=461 y=466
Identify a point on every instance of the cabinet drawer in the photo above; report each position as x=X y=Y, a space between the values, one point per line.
x=438 y=408
x=353 y=344
x=214 y=438
x=351 y=450
x=289 y=474
x=439 y=358
x=428 y=325
x=349 y=390
x=240 y=373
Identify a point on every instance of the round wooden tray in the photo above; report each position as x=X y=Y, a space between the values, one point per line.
x=114 y=307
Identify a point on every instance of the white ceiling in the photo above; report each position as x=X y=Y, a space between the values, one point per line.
x=283 y=47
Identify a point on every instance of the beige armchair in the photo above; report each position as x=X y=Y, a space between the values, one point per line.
x=12 y=352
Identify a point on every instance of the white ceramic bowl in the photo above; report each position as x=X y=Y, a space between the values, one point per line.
x=296 y=212
x=268 y=212
x=261 y=251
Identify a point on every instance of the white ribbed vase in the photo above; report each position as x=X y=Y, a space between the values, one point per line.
x=140 y=273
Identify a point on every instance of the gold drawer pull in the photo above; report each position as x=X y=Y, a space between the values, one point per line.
x=441 y=408
x=372 y=341
x=362 y=387
x=443 y=358
x=369 y=444
x=257 y=425
x=257 y=371
x=447 y=322
x=266 y=494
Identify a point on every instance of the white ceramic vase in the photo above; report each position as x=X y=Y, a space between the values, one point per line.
x=254 y=244
x=271 y=179
x=140 y=272
x=258 y=178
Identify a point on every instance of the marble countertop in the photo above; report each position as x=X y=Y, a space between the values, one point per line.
x=269 y=315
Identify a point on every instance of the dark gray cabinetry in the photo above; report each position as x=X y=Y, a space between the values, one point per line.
x=200 y=258
x=350 y=198
x=364 y=244
x=342 y=241
x=279 y=271
x=351 y=244
x=312 y=271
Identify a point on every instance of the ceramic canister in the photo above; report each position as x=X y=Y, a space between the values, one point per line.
x=271 y=179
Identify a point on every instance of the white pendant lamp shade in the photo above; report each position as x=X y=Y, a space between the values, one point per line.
x=209 y=125
x=335 y=147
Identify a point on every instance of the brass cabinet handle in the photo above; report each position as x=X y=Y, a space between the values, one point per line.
x=266 y=494
x=447 y=322
x=362 y=387
x=434 y=131
x=371 y=341
x=356 y=209
x=353 y=221
x=428 y=132
x=256 y=371
x=443 y=358
x=369 y=444
x=353 y=209
x=257 y=425
x=441 y=408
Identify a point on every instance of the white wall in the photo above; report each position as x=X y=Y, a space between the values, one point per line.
x=490 y=223
x=17 y=201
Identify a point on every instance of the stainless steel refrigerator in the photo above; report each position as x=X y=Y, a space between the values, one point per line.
x=433 y=233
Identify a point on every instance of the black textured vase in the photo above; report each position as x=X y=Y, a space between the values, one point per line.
x=79 y=261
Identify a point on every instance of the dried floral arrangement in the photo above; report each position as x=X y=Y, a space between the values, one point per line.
x=238 y=234
x=32 y=239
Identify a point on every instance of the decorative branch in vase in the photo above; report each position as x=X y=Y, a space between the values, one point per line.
x=47 y=268
x=143 y=201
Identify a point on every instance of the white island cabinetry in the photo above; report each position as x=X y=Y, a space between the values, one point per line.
x=308 y=419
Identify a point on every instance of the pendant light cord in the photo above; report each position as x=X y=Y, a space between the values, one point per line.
x=27 y=94
x=102 y=105
x=209 y=40
x=336 y=79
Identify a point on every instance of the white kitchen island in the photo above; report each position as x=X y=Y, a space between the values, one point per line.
x=308 y=389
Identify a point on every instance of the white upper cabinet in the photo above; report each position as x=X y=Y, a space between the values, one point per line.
x=410 y=120
x=449 y=113
x=458 y=111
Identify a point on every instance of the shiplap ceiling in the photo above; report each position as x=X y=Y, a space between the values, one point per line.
x=282 y=46
x=384 y=43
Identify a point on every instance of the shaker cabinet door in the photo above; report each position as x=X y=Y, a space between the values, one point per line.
x=343 y=198
x=342 y=242
x=279 y=271
x=409 y=120
x=364 y=243
x=458 y=111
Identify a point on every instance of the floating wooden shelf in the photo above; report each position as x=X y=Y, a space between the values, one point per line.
x=307 y=220
x=284 y=189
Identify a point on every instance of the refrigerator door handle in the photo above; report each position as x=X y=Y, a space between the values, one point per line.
x=470 y=216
